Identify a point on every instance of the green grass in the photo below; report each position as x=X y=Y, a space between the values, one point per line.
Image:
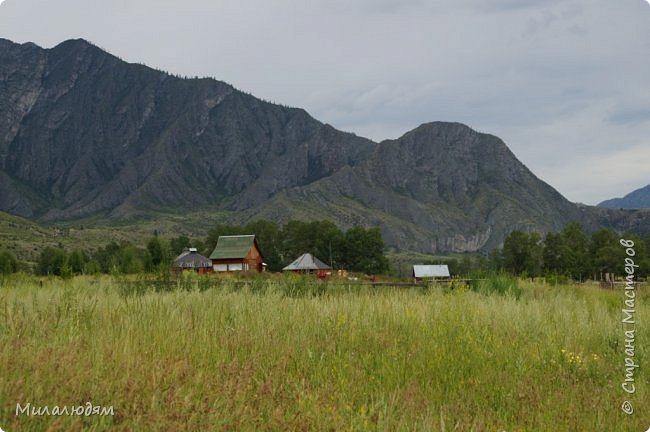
x=269 y=357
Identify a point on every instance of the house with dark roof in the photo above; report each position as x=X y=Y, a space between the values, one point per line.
x=191 y=260
x=237 y=253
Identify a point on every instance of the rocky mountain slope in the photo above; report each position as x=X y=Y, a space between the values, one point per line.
x=442 y=186
x=84 y=134
x=637 y=199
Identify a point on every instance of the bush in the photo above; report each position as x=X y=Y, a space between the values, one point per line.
x=53 y=261
x=8 y=263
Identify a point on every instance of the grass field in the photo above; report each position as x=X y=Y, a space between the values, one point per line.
x=271 y=358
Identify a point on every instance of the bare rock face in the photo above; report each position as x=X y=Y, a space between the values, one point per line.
x=89 y=133
x=83 y=133
x=441 y=187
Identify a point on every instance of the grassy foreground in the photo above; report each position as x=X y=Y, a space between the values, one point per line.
x=232 y=359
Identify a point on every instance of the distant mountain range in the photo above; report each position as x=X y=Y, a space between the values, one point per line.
x=86 y=135
x=638 y=199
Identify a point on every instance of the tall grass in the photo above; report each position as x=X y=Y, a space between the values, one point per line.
x=497 y=283
x=277 y=355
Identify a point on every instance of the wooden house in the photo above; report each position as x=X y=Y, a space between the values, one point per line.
x=191 y=260
x=237 y=253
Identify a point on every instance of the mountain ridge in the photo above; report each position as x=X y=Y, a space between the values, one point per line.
x=157 y=119
x=84 y=134
x=637 y=199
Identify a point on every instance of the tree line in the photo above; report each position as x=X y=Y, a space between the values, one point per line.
x=571 y=253
x=358 y=249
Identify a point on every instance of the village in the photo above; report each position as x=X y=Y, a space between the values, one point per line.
x=241 y=253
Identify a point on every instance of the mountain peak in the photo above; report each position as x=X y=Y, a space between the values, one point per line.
x=439 y=130
x=76 y=45
x=637 y=199
x=73 y=43
x=443 y=125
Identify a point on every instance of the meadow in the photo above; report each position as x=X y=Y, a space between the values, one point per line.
x=298 y=355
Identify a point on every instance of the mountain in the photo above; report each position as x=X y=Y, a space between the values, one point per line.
x=442 y=186
x=637 y=199
x=85 y=135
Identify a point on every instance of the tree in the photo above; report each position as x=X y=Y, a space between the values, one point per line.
x=147 y=262
x=494 y=261
x=574 y=251
x=53 y=261
x=92 y=267
x=177 y=244
x=606 y=254
x=328 y=242
x=8 y=263
x=522 y=253
x=552 y=253
x=364 y=250
x=535 y=250
x=108 y=257
x=77 y=261
x=297 y=238
x=129 y=261
x=155 y=248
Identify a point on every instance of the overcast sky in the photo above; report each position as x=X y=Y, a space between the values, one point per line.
x=565 y=83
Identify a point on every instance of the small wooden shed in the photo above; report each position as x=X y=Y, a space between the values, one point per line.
x=430 y=272
x=237 y=253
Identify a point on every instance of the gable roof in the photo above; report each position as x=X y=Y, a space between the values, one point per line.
x=423 y=271
x=191 y=259
x=236 y=246
x=307 y=262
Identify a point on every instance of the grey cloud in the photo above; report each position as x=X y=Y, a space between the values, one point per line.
x=510 y=5
x=631 y=117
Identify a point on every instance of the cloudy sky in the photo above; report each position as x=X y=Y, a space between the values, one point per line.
x=565 y=83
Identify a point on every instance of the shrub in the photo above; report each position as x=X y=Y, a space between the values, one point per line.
x=8 y=263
